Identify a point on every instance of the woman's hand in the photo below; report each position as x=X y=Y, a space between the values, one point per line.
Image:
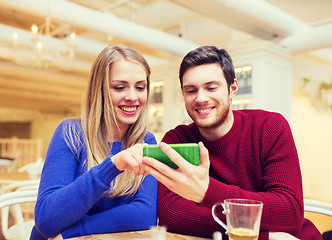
x=130 y=158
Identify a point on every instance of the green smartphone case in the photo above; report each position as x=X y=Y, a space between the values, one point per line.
x=189 y=151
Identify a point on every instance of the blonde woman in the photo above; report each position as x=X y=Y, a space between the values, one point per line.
x=92 y=181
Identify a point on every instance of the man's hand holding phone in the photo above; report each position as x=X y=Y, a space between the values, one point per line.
x=188 y=180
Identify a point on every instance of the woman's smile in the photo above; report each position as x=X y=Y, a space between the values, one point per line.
x=129 y=109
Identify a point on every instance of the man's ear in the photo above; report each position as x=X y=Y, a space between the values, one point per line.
x=233 y=89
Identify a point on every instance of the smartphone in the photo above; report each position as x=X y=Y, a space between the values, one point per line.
x=189 y=151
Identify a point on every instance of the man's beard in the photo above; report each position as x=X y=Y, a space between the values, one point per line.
x=220 y=119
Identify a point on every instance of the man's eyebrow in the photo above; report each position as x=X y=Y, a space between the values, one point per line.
x=207 y=83
x=188 y=86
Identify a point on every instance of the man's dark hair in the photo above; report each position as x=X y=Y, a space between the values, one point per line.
x=205 y=55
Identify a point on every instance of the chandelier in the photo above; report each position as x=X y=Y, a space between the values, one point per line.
x=48 y=45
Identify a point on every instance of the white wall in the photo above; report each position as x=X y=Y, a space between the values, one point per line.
x=312 y=130
x=312 y=127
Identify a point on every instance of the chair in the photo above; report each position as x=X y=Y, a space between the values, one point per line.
x=316 y=206
x=8 y=162
x=21 y=185
x=16 y=194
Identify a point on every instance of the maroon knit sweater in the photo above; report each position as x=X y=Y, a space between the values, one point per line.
x=256 y=159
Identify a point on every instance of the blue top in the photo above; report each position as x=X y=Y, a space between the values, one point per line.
x=72 y=200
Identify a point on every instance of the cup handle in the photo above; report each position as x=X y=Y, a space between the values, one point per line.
x=221 y=223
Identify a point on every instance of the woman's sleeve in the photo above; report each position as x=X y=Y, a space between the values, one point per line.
x=150 y=138
x=139 y=214
x=64 y=198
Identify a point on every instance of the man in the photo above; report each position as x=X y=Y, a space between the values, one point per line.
x=244 y=154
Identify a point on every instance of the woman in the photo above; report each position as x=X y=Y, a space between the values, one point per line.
x=92 y=181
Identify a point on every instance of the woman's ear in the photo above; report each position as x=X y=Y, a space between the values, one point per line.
x=233 y=88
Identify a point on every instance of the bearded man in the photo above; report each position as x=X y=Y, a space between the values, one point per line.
x=244 y=154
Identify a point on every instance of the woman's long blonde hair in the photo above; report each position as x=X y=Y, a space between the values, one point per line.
x=98 y=118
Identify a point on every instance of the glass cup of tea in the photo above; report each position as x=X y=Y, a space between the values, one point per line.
x=243 y=217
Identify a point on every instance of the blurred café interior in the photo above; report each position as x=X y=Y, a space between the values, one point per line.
x=282 y=52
